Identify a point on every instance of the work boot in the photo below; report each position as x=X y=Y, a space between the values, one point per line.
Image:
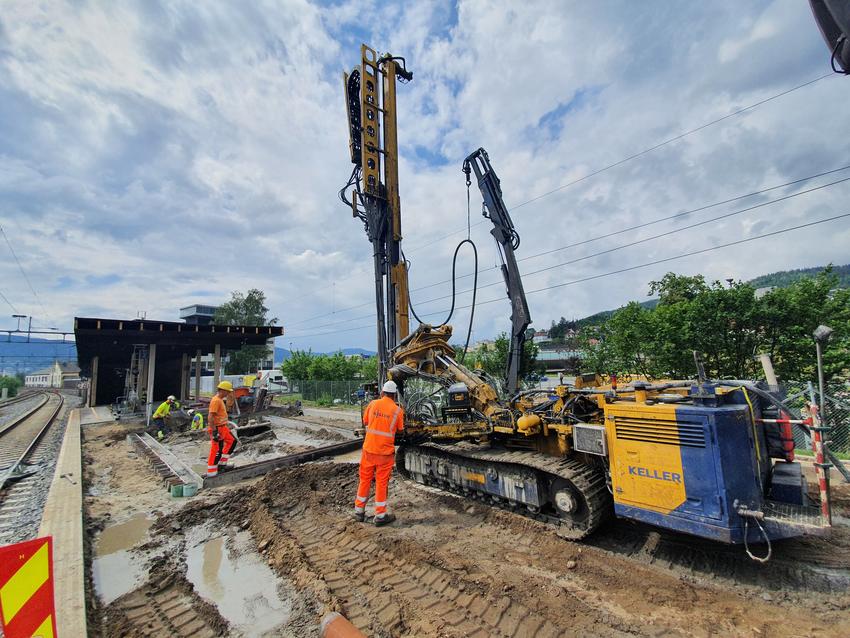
x=359 y=516
x=386 y=519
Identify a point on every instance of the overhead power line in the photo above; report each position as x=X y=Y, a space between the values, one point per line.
x=628 y=159
x=14 y=310
x=27 y=279
x=651 y=238
x=633 y=156
x=628 y=229
x=612 y=272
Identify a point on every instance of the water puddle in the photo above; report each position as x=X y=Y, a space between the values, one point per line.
x=348 y=457
x=115 y=569
x=123 y=535
x=237 y=581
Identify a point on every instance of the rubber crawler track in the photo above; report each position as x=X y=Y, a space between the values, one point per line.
x=589 y=481
x=375 y=593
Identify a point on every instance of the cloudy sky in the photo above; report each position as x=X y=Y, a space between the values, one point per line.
x=157 y=154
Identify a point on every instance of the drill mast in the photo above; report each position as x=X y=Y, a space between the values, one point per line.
x=371 y=103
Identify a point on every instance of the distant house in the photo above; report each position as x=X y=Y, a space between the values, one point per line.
x=62 y=374
x=540 y=336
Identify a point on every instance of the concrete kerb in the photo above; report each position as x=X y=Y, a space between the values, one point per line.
x=63 y=520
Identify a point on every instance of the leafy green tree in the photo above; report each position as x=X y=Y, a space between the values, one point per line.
x=13 y=383
x=297 y=366
x=369 y=369
x=728 y=324
x=245 y=310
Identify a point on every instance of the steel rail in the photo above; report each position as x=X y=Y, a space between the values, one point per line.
x=18 y=399
x=18 y=420
x=10 y=471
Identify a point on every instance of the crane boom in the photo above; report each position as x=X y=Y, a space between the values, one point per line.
x=508 y=239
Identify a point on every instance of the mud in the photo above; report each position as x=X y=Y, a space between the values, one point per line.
x=447 y=567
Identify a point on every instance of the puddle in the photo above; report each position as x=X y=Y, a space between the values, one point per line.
x=123 y=535
x=117 y=574
x=115 y=569
x=348 y=457
x=237 y=581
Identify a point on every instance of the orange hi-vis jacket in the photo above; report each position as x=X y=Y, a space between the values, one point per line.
x=382 y=418
x=217 y=416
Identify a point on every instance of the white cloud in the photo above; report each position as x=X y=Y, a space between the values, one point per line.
x=191 y=147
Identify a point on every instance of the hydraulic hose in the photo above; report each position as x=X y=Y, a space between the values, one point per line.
x=454 y=294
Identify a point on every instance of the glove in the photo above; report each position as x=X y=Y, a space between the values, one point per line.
x=216 y=436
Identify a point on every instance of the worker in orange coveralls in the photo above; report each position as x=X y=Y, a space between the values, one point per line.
x=383 y=418
x=221 y=438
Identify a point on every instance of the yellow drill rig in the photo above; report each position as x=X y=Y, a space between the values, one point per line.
x=707 y=458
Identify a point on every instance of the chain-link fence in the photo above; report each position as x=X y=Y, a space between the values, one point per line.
x=837 y=405
x=329 y=392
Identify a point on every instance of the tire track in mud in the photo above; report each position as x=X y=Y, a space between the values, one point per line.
x=382 y=591
x=160 y=610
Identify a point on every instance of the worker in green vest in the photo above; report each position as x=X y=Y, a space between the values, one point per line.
x=159 y=417
x=197 y=420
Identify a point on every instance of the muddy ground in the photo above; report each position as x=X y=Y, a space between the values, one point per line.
x=272 y=556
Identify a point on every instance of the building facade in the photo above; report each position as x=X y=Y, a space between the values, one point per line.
x=62 y=374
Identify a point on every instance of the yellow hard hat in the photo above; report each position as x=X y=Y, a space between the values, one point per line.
x=225 y=385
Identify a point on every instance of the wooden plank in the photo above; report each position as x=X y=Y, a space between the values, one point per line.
x=63 y=520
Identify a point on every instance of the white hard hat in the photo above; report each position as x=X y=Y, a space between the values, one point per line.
x=390 y=387
x=171 y=397
x=190 y=412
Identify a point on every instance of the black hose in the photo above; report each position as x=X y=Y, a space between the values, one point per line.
x=454 y=289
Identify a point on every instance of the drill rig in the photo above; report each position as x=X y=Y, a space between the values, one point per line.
x=708 y=458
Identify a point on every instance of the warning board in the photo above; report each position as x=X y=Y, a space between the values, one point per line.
x=26 y=589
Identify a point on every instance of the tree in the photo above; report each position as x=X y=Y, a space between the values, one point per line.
x=245 y=310
x=558 y=331
x=369 y=369
x=12 y=383
x=728 y=324
x=297 y=366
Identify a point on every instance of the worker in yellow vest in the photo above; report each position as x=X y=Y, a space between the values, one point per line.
x=197 y=422
x=159 y=417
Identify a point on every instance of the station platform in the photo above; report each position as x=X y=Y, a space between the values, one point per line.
x=97 y=414
x=63 y=520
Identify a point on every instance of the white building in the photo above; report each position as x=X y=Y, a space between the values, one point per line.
x=59 y=375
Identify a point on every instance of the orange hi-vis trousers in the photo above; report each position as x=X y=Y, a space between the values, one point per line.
x=379 y=467
x=220 y=450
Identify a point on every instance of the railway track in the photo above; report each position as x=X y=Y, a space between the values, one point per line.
x=21 y=458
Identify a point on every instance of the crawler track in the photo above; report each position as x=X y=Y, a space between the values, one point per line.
x=588 y=482
x=20 y=457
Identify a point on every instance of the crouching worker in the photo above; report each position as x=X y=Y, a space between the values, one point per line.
x=221 y=438
x=383 y=418
x=197 y=422
x=158 y=419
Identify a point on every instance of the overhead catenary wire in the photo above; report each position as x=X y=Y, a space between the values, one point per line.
x=9 y=303
x=645 y=151
x=599 y=170
x=612 y=272
x=620 y=231
x=660 y=235
x=26 y=278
